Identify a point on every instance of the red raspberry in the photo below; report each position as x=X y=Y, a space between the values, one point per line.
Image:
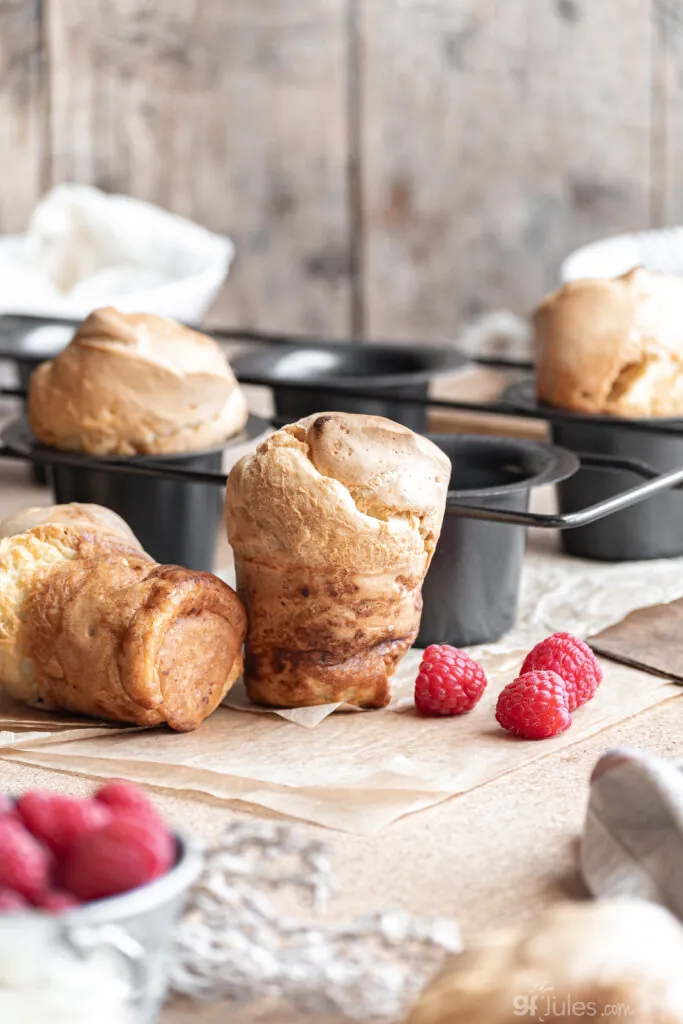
x=59 y=820
x=119 y=793
x=123 y=855
x=55 y=901
x=11 y=901
x=448 y=682
x=24 y=863
x=573 y=660
x=534 y=706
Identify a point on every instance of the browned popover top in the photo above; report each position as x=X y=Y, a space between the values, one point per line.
x=613 y=346
x=134 y=383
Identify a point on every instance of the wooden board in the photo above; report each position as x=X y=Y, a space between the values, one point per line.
x=479 y=384
x=230 y=113
x=393 y=168
x=21 y=111
x=496 y=137
x=667 y=110
x=648 y=639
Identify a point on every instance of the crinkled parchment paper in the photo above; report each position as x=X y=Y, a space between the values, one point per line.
x=359 y=772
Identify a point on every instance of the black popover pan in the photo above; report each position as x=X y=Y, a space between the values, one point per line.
x=388 y=372
x=29 y=341
x=472 y=587
x=28 y=348
x=650 y=529
x=176 y=521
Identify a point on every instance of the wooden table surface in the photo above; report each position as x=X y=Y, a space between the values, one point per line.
x=489 y=857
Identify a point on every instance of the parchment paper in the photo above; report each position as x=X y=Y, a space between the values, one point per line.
x=359 y=772
x=356 y=773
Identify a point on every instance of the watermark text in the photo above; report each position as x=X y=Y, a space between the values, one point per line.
x=544 y=1003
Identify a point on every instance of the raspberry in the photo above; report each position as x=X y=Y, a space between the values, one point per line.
x=534 y=706
x=123 y=855
x=448 y=682
x=59 y=820
x=55 y=901
x=119 y=793
x=572 y=660
x=11 y=901
x=24 y=863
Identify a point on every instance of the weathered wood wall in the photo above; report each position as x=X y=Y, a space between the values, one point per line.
x=387 y=167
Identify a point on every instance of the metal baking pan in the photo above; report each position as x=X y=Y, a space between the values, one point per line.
x=384 y=377
x=29 y=340
x=615 y=491
x=380 y=376
x=472 y=588
x=175 y=519
x=650 y=529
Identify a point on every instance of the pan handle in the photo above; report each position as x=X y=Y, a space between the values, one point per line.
x=571 y=520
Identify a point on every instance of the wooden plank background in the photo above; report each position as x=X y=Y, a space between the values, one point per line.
x=385 y=169
x=23 y=172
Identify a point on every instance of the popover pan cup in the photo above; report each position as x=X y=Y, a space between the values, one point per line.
x=28 y=342
x=388 y=372
x=471 y=591
x=176 y=521
x=25 y=367
x=651 y=529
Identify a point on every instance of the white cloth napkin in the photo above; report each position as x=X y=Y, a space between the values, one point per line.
x=84 y=249
x=633 y=837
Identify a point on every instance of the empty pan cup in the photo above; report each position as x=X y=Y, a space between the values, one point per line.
x=471 y=591
x=650 y=529
x=176 y=521
x=388 y=373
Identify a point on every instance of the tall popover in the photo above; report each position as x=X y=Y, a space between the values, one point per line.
x=132 y=383
x=613 y=346
x=333 y=522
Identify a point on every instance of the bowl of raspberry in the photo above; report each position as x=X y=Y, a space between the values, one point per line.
x=92 y=885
